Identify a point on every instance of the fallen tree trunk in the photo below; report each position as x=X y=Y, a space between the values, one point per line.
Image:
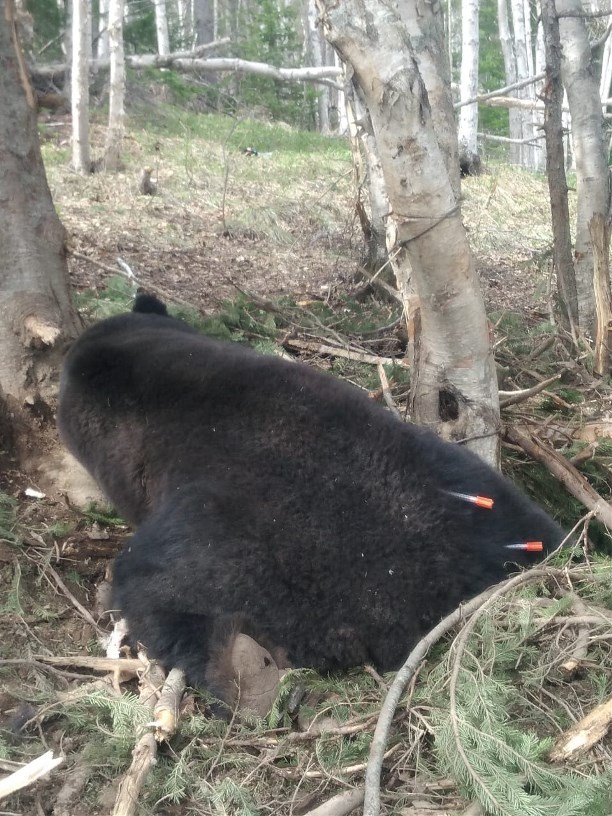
x=190 y=62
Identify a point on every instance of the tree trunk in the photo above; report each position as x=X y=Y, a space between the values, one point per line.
x=314 y=54
x=116 y=113
x=454 y=386
x=369 y=174
x=555 y=165
x=468 y=116
x=80 y=87
x=161 y=27
x=592 y=177
x=538 y=118
x=204 y=21
x=515 y=126
x=425 y=28
x=36 y=314
x=102 y=49
x=521 y=47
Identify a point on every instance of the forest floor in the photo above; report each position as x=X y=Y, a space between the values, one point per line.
x=261 y=247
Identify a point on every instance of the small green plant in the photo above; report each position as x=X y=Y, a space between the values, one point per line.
x=116 y=297
x=8 y=518
x=103 y=515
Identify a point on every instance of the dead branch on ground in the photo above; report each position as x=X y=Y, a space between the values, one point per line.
x=507 y=398
x=347 y=354
x=145 y=751
x=127 y=665
x=339 y=805
x=585 y=734
x=414 y=660
x=165 y=713
x=565 y=472
x=29 y=773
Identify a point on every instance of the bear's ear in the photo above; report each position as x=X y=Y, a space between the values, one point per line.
x=242 y=673
x=256 y=675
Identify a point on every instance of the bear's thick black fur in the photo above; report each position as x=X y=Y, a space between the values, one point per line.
x=266 y=492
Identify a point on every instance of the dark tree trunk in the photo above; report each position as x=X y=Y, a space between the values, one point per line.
x=555 y=165
x=204 y=21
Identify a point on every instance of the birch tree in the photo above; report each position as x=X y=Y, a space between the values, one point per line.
x=81 y=44
x=116 y=113
x=102 y=47
x=204 y=21
x=521 y=48
x=468 y=115
x=161 y=27
x=515 y=126
x=454 y=384
x=592 y=175
x=314 y=52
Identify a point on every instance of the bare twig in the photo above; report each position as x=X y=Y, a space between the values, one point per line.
x=416 y=656
x=84 y=613
x=500 y=91
x=129 y=665
x=376 y=281
x=565 y=473
x=507 y=398
x=580 y=648
x=347 y=354
x=167 y=297
x=386 y=391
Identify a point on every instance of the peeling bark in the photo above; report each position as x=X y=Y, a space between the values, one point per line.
x=454 y=388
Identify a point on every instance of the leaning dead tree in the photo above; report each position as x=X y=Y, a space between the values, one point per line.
x=454 y=386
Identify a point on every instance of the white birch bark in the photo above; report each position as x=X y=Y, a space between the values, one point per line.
x=368 y=173
x=515 y=126
x=606 y=71
x=184 y=23
x=116 y=113
x=80 y=87
x=522 y=72
x=161 y=27
x=468 y=117
x=315 y=56
x=454 y=386
x=340 y=100
x=592 y=175
x=102 y=49
x=425 y=28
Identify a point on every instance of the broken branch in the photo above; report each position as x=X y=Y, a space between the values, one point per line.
x=29 y=774
x=585 y=734
x=336 y=351
x=565 y=472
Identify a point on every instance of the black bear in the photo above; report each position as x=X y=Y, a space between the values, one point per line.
x=279 y=501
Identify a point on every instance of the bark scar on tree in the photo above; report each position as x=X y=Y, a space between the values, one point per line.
x=39 y=333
